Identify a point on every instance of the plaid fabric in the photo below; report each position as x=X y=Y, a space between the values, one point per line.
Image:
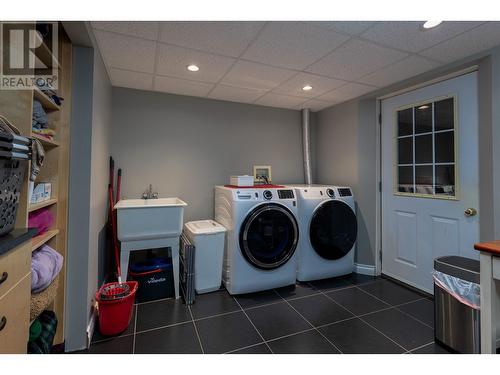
x=43 y=343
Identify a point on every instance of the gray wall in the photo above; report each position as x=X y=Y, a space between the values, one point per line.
x=347 y=134
x=185 y=146
x=87 y=201
x=76 y=312
x=345 y=150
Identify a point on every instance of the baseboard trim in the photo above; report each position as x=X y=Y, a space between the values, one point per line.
x=364 y=269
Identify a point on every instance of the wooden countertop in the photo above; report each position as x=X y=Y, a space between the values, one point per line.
x=492 y=247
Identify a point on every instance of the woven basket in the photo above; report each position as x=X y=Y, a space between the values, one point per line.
x=40 y=301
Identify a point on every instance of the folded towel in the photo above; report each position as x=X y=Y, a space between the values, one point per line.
x=46 y=263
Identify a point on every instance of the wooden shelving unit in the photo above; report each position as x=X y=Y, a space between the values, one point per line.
x=36 y=206
x=17 y=106
x=47 y=143
x=43 y=238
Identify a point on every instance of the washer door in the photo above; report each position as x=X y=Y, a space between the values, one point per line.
x=333 y=229
x=269 y=236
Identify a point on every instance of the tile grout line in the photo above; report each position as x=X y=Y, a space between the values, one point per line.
x=420 y=347
x=196 y=329
x=312 y=325
x=253 y=325
x=364 y=321
x=396 y=307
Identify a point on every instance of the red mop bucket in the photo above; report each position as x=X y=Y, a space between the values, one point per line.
x=115 y=309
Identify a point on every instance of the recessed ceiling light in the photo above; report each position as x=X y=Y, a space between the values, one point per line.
x=193 y=68
x=307 y=88
x=431 y=24
x=425 y=106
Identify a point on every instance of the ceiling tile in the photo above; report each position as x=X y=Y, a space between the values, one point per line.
x=256 y=76
x=349 y=91
x=319 y=84
x=235 y=94
x=481 y=38
x=181 y=86
x=407 y=68
x=346 y=27
x=226 y=38
x=140 y=29
x=292 y=45
x=280 y=101
x=315 y=105
x=355 y=59
x=133 y=80
x=125 y=52
x=172 y=61
x=409 y=36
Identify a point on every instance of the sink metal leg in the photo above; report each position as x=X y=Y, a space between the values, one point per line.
x=124 y=257
x=174 y=248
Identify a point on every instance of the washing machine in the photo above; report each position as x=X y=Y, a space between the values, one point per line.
x=261 y=239
x=328 y=227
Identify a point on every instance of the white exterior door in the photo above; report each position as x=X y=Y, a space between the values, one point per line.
x=430 y=189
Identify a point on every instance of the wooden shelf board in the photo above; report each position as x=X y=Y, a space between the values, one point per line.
x=45 y=141
x=44 y=100
x=38 y=241
x=36 y=206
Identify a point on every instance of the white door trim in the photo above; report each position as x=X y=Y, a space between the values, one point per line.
x=378 y=122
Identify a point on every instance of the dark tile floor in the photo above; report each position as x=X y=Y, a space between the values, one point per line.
x=352 y=314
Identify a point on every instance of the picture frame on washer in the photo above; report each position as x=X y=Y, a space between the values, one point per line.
x=262 y=174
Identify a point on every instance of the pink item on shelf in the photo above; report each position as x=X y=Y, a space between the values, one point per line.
x=41 y=219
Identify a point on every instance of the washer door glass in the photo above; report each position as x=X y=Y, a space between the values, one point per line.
x=269 y=236
x=333 y=229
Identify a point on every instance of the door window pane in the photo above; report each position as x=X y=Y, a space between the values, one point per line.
x=426 y=149
x=423 y=149
x=405 y=178
x=405 y=122
x=444 y=114
x=423 y=179
x=405 y=150
x=423 y=118
x=445 y=179
x=445 y=147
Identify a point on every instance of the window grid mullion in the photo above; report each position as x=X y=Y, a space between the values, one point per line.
x=413 y=160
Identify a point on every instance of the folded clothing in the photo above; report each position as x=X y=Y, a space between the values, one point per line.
x=46 y=263
x=42 y=220
x=39 y=119
x=41 y=342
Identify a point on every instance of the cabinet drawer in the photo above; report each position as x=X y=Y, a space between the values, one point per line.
x=15 y=318
x=14 y=265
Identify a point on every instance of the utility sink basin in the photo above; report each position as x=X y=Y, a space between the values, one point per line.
x=148 y=219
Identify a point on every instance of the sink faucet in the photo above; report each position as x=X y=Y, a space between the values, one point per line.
x=149 y=194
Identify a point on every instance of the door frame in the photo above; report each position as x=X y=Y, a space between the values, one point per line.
x=378 y=122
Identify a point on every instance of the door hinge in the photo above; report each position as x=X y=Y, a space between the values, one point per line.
x=379 y=118
x=380 y=256
x=380 y=186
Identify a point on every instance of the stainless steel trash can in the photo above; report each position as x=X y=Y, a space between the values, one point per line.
x=456 y=324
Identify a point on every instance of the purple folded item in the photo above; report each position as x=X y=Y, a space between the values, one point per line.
x=46 y=263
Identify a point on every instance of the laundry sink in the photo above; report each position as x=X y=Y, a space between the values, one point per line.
x=148 y=219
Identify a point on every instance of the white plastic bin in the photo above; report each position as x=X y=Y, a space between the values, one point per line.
x=207 y=237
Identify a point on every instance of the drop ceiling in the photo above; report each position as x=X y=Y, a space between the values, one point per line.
x=268 y=63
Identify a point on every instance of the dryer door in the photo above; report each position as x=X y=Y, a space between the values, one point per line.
x=269 y=236
x=333 y=229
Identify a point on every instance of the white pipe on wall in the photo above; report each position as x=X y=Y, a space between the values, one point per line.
x=306 y=145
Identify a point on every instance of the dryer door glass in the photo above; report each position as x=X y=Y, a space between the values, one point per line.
x=268 y=236
x=333 y=229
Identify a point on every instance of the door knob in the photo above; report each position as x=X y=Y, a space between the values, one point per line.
x=470 y=212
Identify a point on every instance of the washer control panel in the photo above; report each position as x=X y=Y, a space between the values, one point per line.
x=330 y=192
x=267 y=194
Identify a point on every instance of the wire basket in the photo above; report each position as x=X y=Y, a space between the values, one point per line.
x=11 y=180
